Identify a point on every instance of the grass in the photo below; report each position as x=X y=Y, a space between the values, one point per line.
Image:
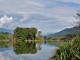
x=69 y=50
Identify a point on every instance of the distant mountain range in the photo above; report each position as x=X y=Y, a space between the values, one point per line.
x=46 y=34
x=6 y=30
x=74 y=30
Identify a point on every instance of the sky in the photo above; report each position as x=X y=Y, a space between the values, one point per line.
x=48 y=16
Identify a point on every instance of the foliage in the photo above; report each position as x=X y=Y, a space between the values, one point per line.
x=68 y=37
x=4 y=35
x=69 y=50
x=40 y=38
x=64 y=38
x=25 y=33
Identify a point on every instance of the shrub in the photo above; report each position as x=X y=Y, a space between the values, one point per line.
x=69 y=50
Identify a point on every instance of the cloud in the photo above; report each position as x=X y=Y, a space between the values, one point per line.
x=20 y=6
x=46 y=15
x=5 y=20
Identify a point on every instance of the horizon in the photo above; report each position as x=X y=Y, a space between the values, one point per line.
x=43 y=34
x=47 y=16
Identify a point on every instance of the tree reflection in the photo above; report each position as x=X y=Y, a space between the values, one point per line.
x=5 y=44
x=23 y=47
x=38 y=46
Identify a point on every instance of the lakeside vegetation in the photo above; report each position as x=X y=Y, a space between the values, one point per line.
x=4 y=35
x=68 y=50
x=27 y=33
x=64 y=38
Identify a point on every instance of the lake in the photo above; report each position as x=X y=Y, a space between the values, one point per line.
x=26 y=50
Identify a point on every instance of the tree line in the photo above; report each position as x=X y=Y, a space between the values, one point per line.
x=4 y=35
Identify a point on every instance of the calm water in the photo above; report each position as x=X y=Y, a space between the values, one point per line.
x=26 y=50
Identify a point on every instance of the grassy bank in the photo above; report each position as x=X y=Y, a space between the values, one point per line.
x=68 y=51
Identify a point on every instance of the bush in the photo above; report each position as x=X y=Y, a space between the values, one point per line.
x=69 y=50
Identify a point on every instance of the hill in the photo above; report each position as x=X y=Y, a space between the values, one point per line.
x=73 y=30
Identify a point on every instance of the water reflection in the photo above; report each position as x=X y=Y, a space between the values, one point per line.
x=21 y=50
x=39 y=47
x=54 y=42
x=25 y=47
x=4 y=44
x=22 y=47
x=28 y=47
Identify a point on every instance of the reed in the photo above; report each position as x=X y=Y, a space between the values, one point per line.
x=69 y=50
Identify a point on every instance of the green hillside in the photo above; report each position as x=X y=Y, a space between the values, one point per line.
x=74 y=30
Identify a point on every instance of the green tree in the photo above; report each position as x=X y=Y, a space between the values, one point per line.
x=25 y=33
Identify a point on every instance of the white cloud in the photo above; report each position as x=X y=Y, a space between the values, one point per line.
x=5 y=20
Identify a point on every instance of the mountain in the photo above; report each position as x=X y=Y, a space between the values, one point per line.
x=6 y=30
x=73 y=30
x=46 y=34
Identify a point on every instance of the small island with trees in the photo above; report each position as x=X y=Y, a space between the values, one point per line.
x=27 y=34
